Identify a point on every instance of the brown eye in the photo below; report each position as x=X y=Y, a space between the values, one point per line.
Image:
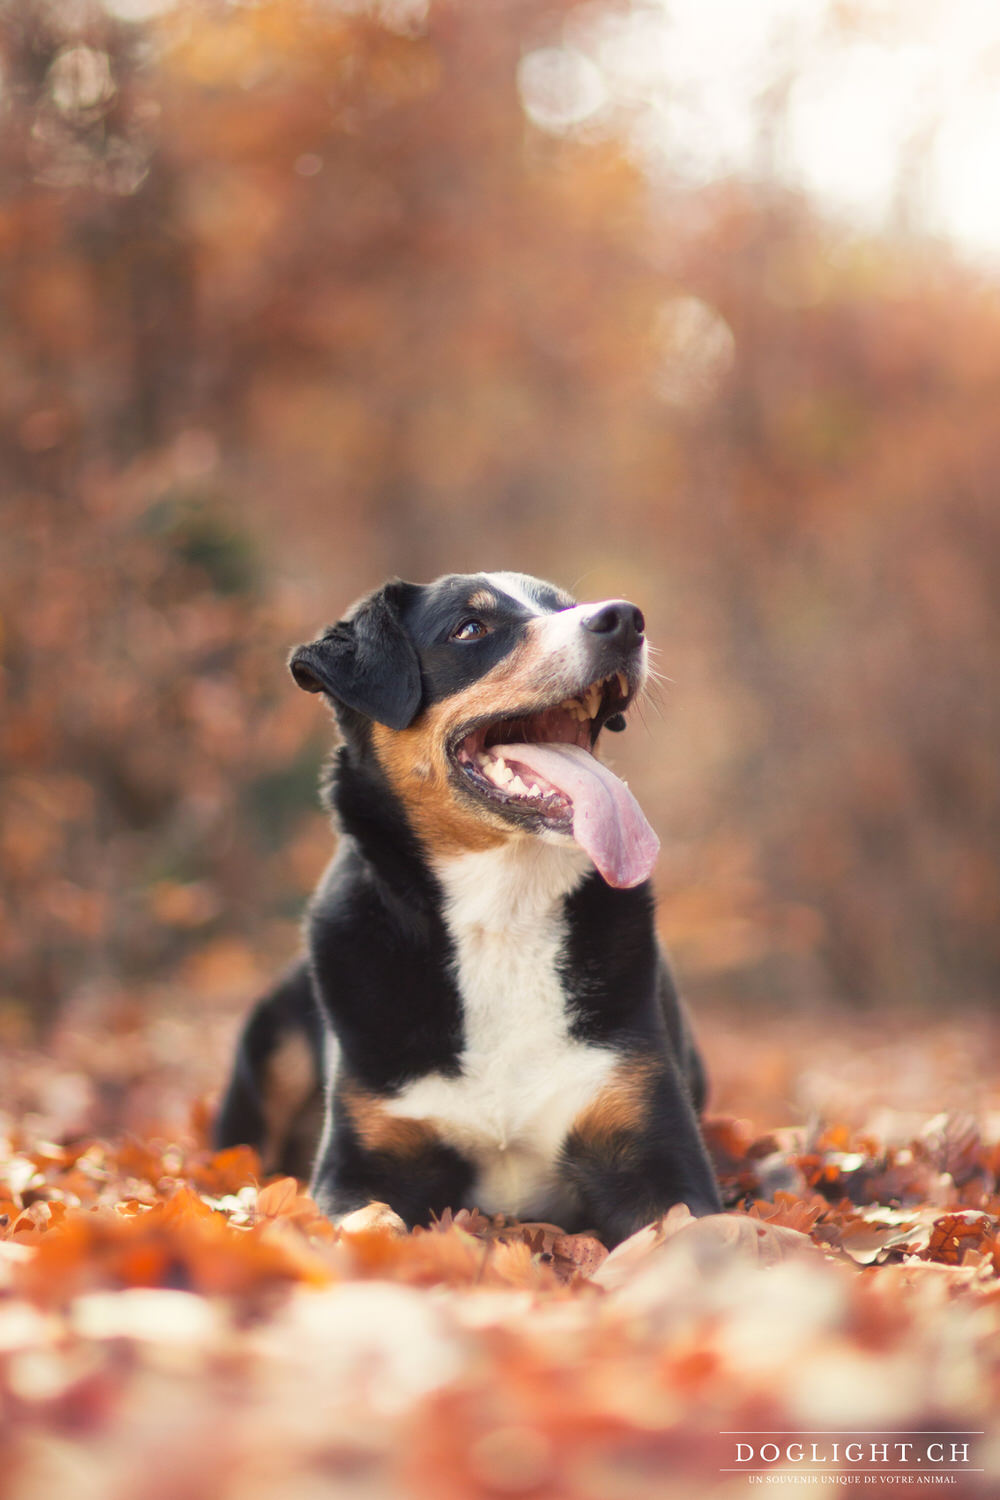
x=469 y=630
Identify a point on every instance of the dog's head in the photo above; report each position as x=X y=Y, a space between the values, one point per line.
x=483 y=696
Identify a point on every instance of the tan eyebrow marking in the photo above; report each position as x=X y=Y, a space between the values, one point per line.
x=482 y=599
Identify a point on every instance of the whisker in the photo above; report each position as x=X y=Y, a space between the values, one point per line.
x=655 y=691
x=578 y=585
x=654 y=670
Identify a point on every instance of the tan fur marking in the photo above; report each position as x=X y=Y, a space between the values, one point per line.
x=380 y=1131
x=482 y=599
x=288 y=1083
x=619 y=1110
x=416 y=762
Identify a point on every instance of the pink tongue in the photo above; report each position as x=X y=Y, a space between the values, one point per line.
x=607 y=820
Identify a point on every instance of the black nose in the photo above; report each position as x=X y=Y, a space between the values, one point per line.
x=619 y=622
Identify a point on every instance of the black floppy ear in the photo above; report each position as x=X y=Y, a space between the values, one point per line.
x=366 y=661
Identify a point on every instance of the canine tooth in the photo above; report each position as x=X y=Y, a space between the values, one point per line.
x=593 y=699
x=503 y=773
x=623 y=684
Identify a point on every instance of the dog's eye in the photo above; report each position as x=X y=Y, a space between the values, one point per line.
x=469 y=630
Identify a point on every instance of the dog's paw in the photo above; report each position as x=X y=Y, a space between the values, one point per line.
x=373 y=1216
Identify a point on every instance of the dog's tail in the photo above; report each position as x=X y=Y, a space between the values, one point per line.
x=274 y=1100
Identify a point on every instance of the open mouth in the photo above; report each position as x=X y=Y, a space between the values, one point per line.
x=539 y=770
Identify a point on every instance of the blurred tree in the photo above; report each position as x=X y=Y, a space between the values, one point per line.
x=300 y=290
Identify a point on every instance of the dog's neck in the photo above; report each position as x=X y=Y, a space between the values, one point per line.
x=365 y=811
x=513 y=886
x=513 y=882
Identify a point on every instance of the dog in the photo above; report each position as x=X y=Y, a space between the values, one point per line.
x=483 y=1016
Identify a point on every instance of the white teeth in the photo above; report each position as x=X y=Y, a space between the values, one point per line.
x=535 y=790
x=483 y=759
x=593 y=699
x=502 y=773
x=623 y=684
x=518 y=787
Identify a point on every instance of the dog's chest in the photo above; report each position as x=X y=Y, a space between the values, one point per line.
x=523 y=1078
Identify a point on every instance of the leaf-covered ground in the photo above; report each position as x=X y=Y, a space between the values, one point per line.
x=172 y=1326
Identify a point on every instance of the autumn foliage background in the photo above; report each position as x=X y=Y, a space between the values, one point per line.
x=300 y=295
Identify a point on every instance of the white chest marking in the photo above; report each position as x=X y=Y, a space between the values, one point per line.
x=524 y=1079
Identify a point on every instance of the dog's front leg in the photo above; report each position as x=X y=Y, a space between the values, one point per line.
x=637 y=1151
x=370 y=1156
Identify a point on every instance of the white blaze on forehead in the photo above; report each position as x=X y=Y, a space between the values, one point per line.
x=559 y=633
x=522 y=587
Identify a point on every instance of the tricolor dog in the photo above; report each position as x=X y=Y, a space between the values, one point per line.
x=483 y=1017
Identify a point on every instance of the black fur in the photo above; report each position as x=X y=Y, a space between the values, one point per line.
x=367 y=663
x=379 y=951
